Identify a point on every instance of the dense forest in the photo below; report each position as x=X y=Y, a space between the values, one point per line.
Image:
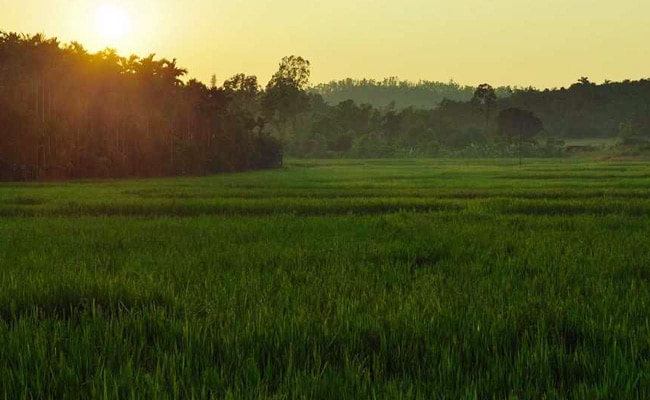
x=396 y=93
x=479 y=126
x=67 y=113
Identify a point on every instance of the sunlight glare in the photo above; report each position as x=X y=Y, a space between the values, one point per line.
x=112 y=21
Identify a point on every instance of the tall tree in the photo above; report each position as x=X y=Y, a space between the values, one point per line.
x=293 y=71
x=285 y=96
x=486 y=96
x=66 y=113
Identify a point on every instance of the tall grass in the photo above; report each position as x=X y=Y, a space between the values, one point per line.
x=420 y=280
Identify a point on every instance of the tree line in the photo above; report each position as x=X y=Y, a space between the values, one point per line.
x=393 y=92
x=528 y=121
x=68 y=113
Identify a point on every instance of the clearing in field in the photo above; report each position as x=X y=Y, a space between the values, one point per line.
x=331 y=279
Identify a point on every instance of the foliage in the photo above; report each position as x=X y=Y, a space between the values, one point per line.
x=285 y=97
x=486 y=96
x=515 y=123
x=66 y=113
x=583 y=110
x=588 y=110
x=401 y=93
x=629 y=135
x=351 y=130
x=293 y=71
x=470 y=126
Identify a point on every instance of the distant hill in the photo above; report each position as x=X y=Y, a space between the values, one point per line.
x=351 y=118
x=401 y=93
x=589 y=110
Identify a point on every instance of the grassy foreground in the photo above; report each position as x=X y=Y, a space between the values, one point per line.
x=344 y=279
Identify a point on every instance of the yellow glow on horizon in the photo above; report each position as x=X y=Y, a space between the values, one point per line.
x=517 y=42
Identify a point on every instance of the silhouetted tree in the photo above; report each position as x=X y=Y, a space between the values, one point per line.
x=285 y=95
x=487 y=97
x=67 y=113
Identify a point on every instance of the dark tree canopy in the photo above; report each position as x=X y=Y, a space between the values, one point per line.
x=244 y=84
x=293 y=71
x=68 y=113
x=422 y=94
x=285 y=96
x=485 y=94
x=619 y=110
x=65 y=112
x=487 y=97
x=516 y=123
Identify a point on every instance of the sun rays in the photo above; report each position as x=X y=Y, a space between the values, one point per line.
x=113 y=23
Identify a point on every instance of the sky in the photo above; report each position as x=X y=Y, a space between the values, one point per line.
x=541 y=43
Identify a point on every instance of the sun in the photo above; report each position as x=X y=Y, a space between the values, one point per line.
x=112 y=21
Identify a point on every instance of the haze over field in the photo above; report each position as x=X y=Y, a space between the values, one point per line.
x=504 y=42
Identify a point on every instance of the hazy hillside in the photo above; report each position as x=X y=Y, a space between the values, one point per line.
x=365 y=127
x=590 y=110
x=422 y=94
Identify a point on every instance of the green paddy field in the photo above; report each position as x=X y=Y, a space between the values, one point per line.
x=384 y=279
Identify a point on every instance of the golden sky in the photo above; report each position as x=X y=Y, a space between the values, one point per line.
x=544 y=43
